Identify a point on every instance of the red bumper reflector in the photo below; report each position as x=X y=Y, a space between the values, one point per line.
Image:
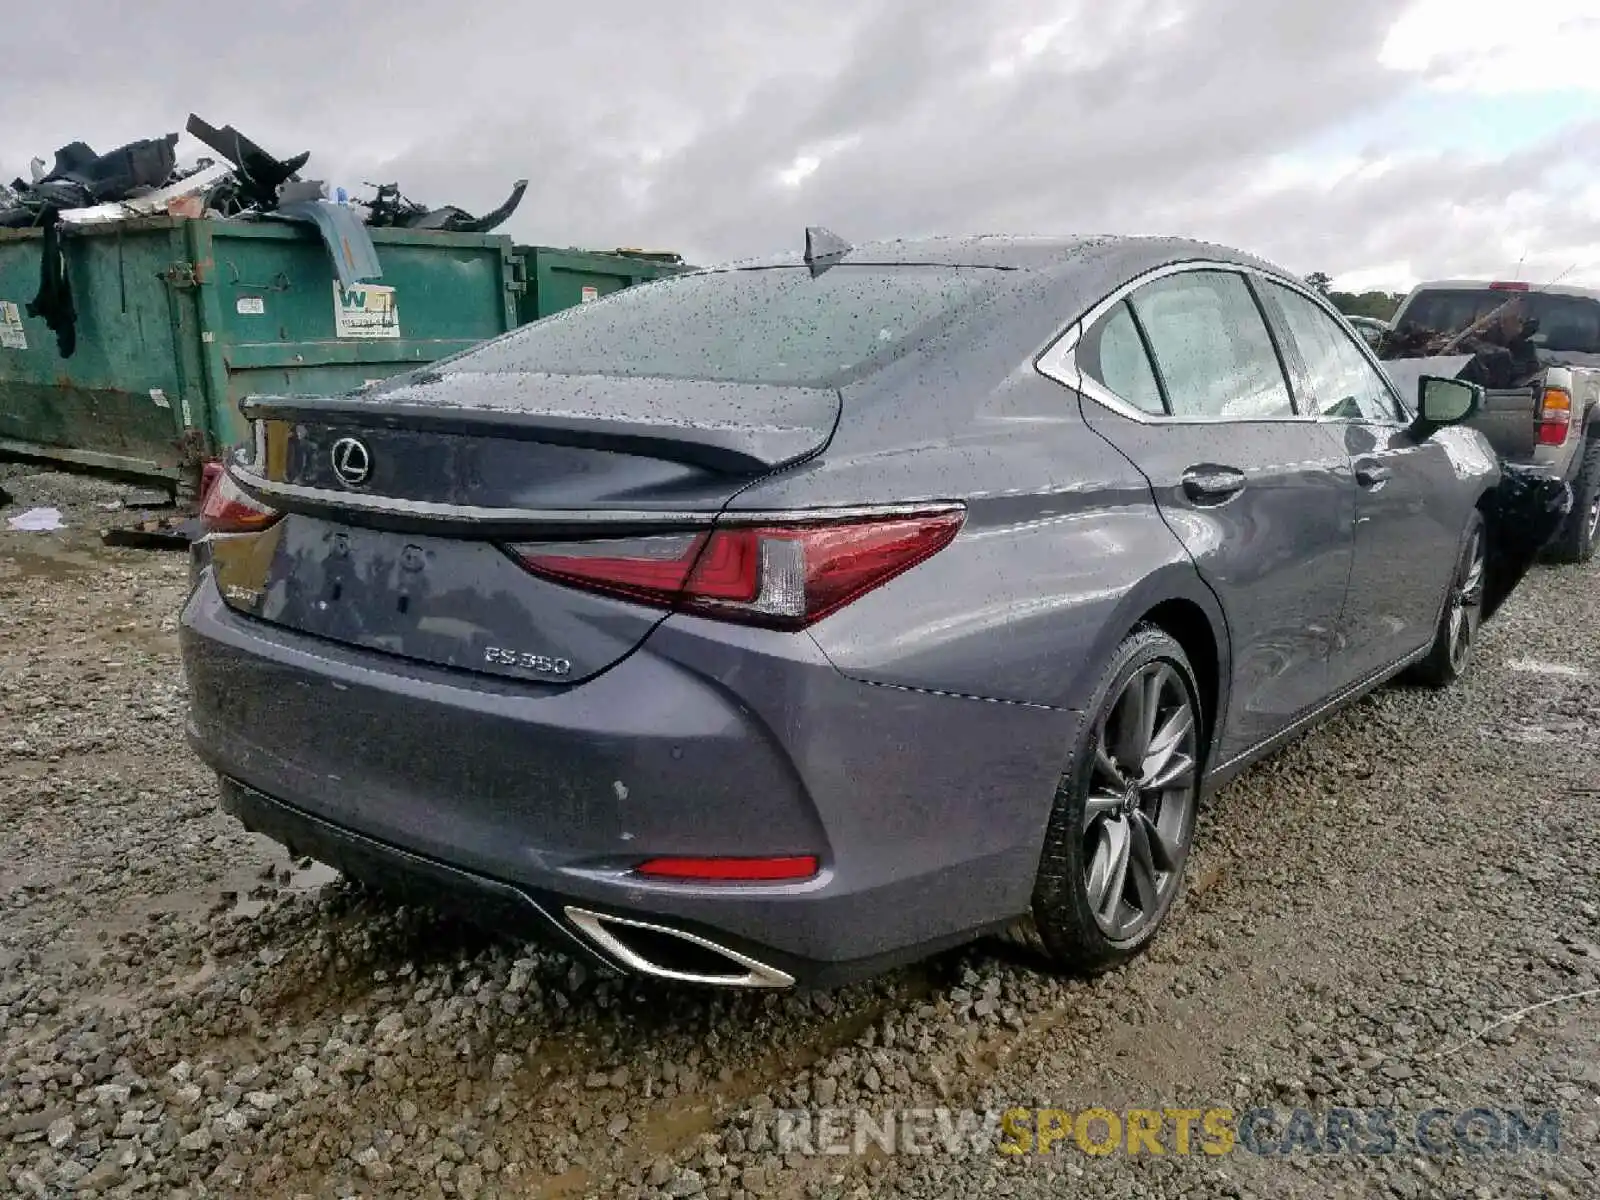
x=730 y=870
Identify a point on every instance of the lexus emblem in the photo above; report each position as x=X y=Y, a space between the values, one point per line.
x=352 y=461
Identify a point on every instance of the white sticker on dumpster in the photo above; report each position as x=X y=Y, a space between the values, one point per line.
x=12 y=334
x=250 y=306
x=590 y=294
x=367 y=310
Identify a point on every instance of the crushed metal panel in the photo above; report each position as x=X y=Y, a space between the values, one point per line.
x=153 y=204
x=349 y=244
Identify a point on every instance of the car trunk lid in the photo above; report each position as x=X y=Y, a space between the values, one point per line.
x=399 y=501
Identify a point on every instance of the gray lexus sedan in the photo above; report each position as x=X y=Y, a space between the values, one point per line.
x=779 y=622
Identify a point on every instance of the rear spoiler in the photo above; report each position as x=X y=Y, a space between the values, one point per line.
x=733 y=429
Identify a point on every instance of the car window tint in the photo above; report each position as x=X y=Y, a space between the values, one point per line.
x=1113 y=354
x=1212 y=347
x=1339 y=379
x=779 y=325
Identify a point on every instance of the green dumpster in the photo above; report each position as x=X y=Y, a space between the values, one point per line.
x=180 y=319
x=554 y=279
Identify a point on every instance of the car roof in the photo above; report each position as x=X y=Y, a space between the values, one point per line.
x=1021 y=253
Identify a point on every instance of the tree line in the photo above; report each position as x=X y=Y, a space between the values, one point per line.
x=1357 y=304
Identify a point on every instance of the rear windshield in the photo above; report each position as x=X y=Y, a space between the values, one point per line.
x=773 y=325
x=1566 y=323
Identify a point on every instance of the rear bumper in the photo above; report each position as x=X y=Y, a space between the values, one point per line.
x=926 y=810
x=404 y=874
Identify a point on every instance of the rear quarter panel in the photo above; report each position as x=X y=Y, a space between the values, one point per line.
x=1062 y=552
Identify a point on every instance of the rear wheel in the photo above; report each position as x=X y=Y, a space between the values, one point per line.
x=1458 y=625
x=1124 y=812
x=1576 y=543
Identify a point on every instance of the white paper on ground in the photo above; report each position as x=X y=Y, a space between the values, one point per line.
x=36 y=520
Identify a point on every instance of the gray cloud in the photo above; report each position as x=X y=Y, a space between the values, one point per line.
x=669 y=125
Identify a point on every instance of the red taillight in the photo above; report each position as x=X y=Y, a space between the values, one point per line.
x=730 y=870
x=781 y=576
x=228 y=510
x=210 y=472
x=1508 y=286
x=1555 y=417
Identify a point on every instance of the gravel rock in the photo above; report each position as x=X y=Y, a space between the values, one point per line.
x=185 y=1011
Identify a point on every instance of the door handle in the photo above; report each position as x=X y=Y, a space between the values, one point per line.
x=1212 y=485
x=1372 y=474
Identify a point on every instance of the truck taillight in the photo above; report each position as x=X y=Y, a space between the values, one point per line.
x=780 y=575
x=228 y=509
x=1555 y=417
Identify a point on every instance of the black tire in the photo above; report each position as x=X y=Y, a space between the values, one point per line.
x=1081 y=848
x=1457 y=633
x=1576 y=543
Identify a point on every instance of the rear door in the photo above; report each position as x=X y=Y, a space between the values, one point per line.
x=1188 y=383
x=1409 y=511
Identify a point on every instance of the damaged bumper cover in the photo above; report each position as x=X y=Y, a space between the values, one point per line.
x=1522 y=513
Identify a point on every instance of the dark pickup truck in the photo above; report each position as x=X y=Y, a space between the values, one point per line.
x=1536 y=349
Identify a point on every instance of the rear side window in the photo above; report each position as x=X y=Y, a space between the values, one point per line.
x=1113 y=353
x=774 y=325
x=1211 y=347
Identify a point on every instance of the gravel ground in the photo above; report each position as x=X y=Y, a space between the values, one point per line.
x=185 y=1013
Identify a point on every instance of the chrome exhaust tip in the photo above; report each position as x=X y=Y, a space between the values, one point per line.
x=666 y=953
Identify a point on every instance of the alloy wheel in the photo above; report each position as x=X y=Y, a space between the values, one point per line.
x=1138 y=816
x=1465 y=599
x=1594 y=516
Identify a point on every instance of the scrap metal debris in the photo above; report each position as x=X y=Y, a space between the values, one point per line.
x=174 y=532
x=257 y=174
x=197 y=184
x=81 y=178
x=1500 y=345
x=143 y=179
x=1504 y=348
x=390 y=208
x=349 y=244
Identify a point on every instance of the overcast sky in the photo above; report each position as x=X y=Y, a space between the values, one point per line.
x=1377 y=140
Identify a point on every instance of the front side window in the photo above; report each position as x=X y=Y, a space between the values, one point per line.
x=1341 y=382
x=1211 y=347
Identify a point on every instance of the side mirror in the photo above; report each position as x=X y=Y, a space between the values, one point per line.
x=1442 y=402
